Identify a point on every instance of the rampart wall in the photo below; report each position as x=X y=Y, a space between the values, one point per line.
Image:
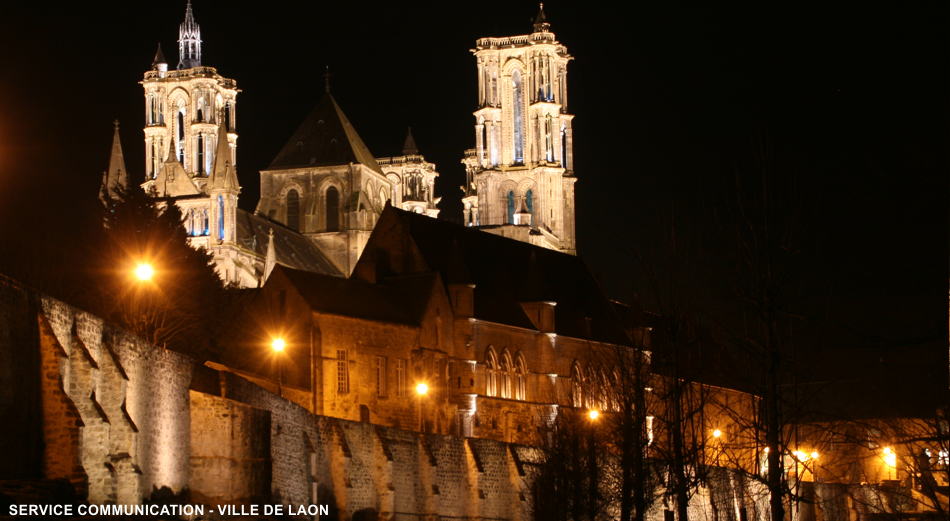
x=128 y=422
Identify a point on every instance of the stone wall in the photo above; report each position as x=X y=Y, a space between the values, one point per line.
x=128 y=422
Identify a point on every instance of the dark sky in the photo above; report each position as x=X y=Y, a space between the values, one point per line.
x=853 y=98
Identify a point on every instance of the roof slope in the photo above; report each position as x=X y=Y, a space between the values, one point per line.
x=292 y=249
x=504 y=271
x=403 y=302
x=326 y=137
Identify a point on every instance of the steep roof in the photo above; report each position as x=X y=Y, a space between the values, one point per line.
x=118 y=175
x=409 y=147
x=403 y=301
x=501 y=269
x=326 y=137
x=291 y=249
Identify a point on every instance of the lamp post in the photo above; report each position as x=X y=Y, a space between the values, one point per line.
x=421 y=391
x=592 y=464
x=278 y=346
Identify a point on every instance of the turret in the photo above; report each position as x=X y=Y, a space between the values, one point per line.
x=541 y=24
x=158 y=63
x=189 y=42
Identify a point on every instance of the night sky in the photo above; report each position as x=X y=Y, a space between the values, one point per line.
x=853 y=97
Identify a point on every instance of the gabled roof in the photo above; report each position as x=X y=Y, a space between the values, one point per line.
x=502 y=271
x=403 y=301
x=326 y=137
x=291 y=249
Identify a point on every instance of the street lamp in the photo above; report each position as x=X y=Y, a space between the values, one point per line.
x=421 y=391
x=717 y=433
x=144 y=272
x=278 y=346
x=594 y=413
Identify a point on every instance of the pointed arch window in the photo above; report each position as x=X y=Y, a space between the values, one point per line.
x=511 y=207
x=206 y=225
x=548 y=139
x=293 y=210
x=564 y=147
x=520 y=377
x=201 y=153
x=529 y=200
x=221 y=217
x=577 y=386
x=505 y=371
x=491 y=373
x=516 y=93
x=333 y=209
x=227 y=117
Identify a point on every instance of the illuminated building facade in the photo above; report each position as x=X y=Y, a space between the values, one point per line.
x=520 y=178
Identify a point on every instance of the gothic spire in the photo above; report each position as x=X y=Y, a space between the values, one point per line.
x=189 y=41
x=225 y=176
x=270 y=260
x=117 y=174
x=159 y=63
x=409 y=147
x=541 y=24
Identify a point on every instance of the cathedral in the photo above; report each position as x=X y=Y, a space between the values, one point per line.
x=323 y=193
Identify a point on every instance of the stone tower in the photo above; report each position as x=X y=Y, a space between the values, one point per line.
x=326 y=185
x=520 y=178
x=190 y=149
x=413 y=178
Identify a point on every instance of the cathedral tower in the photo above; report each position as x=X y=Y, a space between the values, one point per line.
x=190 y=149
x=520 y=178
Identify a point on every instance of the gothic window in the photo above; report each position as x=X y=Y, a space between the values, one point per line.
x=400 y=377
x=564 y=147
x=181 y=136
x=518 y=125
x=494 y=87
x=520 y=375
x=333 y=209
x=227 y=117
x=494 y=143
x=505 y=371
x=511 y=207
x=206 y=225
x=548 y=139
x=201 y=153
x=342 y=372
x=293 y=210
x=189 y=222
x=491 y=373
x=221 y=217
x=577 y=386
x=529 y=200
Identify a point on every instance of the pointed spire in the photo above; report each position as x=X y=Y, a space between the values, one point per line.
x=159 y=63
x=117 y=174
x=189 y=41
x=224 y=173
x=326 y=78
x=409 y=147
x=271 y=259
x=541 y=24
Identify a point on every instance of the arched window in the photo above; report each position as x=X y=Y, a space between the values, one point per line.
x=519 y=126
x=577 y=386
x=549 y=139
x=293 y=210
x=181 y=136
x=511 y=207
x=505 y=375
x=221 y=217
x=491 y=373
x=227 y=117
x=564 y=147
x=206 y=225
x=201 y=153
x=520 y=376
x=529 y=200
x=333 y=209
x=189 y=222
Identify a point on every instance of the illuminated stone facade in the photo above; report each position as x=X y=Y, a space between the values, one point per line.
x=413 y=180
x=520 y=178
x=190 y=153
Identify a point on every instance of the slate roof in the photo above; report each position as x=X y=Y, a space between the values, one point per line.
x=402 y=300
x=292 y=249
x=325 y=138
x=507 y=272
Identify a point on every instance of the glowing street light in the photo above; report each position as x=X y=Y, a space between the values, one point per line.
x=717 y=433
x=594 y=413
x=144 y=272
x=814 y=455
x=278 y=344
x=422 y=389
